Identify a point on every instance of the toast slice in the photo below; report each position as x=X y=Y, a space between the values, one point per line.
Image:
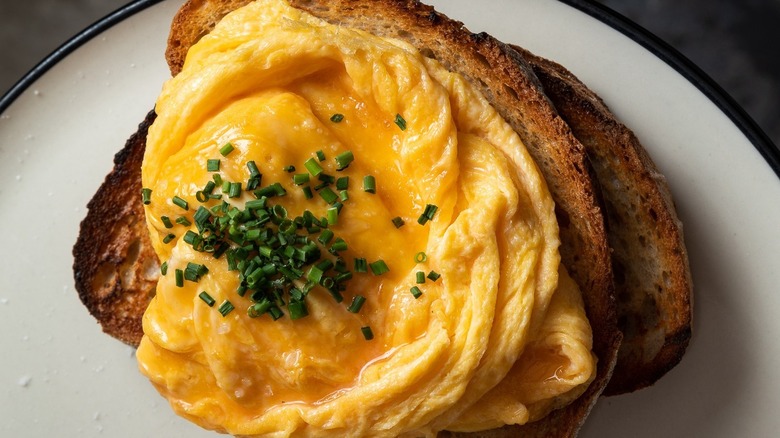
x=652 y=276
x=114 y=264
x=504 y=78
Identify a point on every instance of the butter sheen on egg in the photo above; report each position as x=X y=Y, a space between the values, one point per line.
x=500 y=338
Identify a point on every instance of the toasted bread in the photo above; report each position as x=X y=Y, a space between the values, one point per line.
x=113 y=270
x=649 y=259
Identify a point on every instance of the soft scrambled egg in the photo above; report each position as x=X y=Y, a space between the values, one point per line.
x=500 y=338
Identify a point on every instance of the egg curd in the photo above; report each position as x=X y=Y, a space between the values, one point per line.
x=499 y=338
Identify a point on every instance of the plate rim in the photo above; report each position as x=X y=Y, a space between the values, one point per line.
x=654 y=44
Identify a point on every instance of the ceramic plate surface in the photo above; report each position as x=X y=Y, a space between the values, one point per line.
x=60 y=127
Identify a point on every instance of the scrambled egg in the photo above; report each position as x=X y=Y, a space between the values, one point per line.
x=500 y=338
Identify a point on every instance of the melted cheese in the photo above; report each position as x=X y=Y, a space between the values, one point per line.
x=492 y=332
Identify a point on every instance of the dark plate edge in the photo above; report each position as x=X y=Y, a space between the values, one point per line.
x=689 y=71
x=643 y=37
x=71 y=45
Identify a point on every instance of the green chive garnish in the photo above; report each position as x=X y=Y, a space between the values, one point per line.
x=235 y=190
x=254 y=172
x=343 y=195
x=146 y=195
x=181 y=203
x=342 y=183
x=325 y=236
x=379 y=267
x=179 y=278
x=226 y=307
x=420 y=277
x=427 y=215
x=367 y=333
x=416 y=292
x=297 y=309
x=321 y=155
x=313 y=167
x=207 y=298
x=398 y=222
x=289 y=169
x=433 y=275
x=337 y=118
x=333 y=215
x=164 y=268
x=212 y=165
x=420 y=257
x=357 y=303
x=401 y=122
x=226 y=149
x=166 y=221
x=329 y=195
x=300 y=179
x=361 y=265
x=344 y=159
x=307 y=193
x=369 y=184
x=339 y=245
x=181 y=220
x=168 y=238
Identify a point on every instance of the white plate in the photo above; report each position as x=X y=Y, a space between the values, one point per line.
x=62 y=377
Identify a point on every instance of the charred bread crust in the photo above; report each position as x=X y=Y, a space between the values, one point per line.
x=652 y=274
x=114 y=265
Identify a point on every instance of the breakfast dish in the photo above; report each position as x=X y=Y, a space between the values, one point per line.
x=586 y=431
x=372 y=82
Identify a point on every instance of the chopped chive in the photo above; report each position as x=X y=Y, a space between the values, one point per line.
x=164 y=268
x=181 y=203
x=337 y=118
x=202 y=215
x=226 y=186
x=217 y=179
x=342 y=183
x=297 y=309
x=320 y=155
x=433 y=275
x=343 y=195
x=289 y=169
x=226 y=149
x=226 y=307
x=166 y=221
x=300 y=179
x=179 y=278
x=259 y=308
x=327 y=179
x=254 y=172
x=209 y=187
x=339 y=245
x=333 y=215
x=207 y=298
x=361 y=265
x=379 y=267
x=313 y=167
x=235 y=190
x=168 y=238
x=182 y=220
x=420 y=257
x=344 y=159
x=367 y=333
x=420 y=277
x=275 y=312
x=398 y=222
x=401 y=122
x=307 y=193
x=212 y=165
x=357 y=303
x=328 y=195
x=427 y=215
x=325 y=236
x=416 y=292
x=369 y=184
x=146 y=195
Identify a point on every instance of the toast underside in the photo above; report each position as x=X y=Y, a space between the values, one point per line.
x=116 y=269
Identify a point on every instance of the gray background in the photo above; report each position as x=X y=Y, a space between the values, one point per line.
x=736 y=42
